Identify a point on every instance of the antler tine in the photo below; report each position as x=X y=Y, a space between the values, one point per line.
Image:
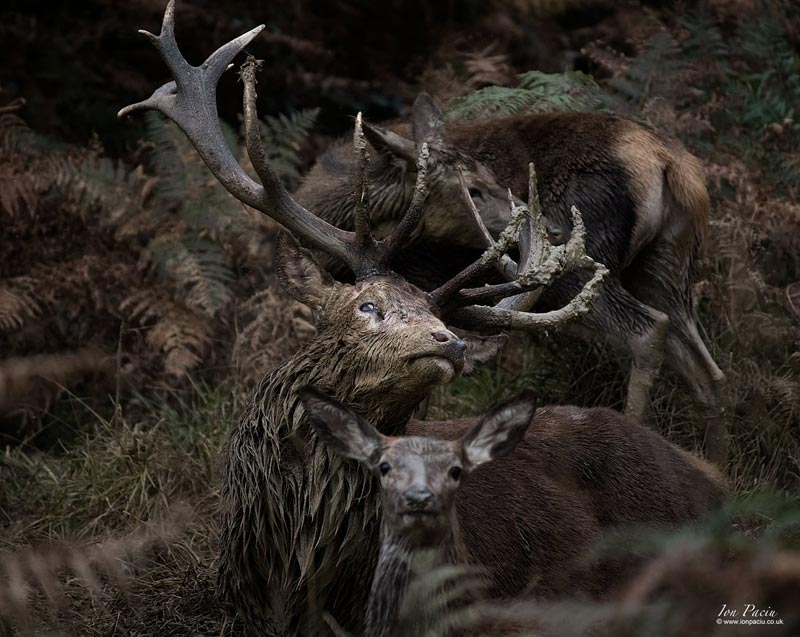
x=485 y=318
x=274 y=200
x=361 y=189
x=533 y=243
x=560 y=260
x=540 y=264
x=487 y=260
x=167 y=45
x=190 y=101
x=410 y=220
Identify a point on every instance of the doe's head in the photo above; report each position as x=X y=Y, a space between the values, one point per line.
x=419 y=476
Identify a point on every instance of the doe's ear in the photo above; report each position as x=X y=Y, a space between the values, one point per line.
x=300 y=274
x=500 y=431
x=386 y=141
x=427 y=121
x=339 y=427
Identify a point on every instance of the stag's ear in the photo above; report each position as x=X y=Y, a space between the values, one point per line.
x=300 y=274
x=481 y=349
x=339 y=427
x=386 y=141
x=427 y=121
x=497 y=434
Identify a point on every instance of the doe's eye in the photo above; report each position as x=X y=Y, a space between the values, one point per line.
x=475 y=193
x=455 y=473
x=384 y=468
x=368 y=308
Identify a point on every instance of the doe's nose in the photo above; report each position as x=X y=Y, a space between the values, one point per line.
x=418 y=498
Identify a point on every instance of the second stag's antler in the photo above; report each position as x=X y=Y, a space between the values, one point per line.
x=540 y=264
x=190 y=101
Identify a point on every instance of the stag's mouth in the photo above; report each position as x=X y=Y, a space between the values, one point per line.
x=450 y=365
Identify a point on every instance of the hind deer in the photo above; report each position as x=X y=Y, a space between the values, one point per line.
x=295 y=523
x=643 y=199
x=529 y=521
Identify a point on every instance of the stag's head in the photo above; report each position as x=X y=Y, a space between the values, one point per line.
x=451 y=172
x=419 y=476
x=387 y=337
x=385 y=331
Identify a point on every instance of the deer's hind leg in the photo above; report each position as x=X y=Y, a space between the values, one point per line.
x=661 y=277
x=631 y=327
x=689 y=358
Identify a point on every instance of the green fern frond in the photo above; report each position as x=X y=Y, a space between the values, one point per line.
x=199 y=270
x=17 y=138
x=283 y=136
x=705 y=39
x=772 y=94
x=183 y=175
x=94 y=182
x=652 y=73
x=536 y=92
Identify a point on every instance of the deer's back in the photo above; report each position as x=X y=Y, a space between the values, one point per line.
x=533 y=517
x=610 y=167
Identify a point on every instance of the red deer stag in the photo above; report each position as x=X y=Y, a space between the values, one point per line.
x=295 y=524
x=643 y=199
x=529 y=522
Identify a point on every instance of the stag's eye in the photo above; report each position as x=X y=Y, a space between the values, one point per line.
x=384 y=468
x=455 y=473
x=475 y=193
x=371 y=308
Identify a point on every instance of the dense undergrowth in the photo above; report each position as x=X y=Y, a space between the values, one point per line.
x=137 y=306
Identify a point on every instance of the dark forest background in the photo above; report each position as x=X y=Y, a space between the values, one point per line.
x=137 y=302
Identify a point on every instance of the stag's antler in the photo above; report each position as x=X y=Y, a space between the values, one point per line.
x=540 y=264
x=190 y=101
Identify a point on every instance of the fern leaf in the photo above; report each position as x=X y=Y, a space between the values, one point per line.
x=17 y=189
x=284 y=135
x=199 y=269
x=536 y=93
x=181 y=335
x=17 y=305
x=653 y=73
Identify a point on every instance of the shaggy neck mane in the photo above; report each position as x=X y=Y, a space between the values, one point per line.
x=310 y=515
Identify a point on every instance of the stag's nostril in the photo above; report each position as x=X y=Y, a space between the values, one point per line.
x=418 y=498
x=442 y=337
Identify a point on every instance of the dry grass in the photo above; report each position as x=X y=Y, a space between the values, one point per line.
x=117 y=481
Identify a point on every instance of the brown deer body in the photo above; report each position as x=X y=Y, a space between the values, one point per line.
x=294 y=527
x=529 y=521
x=643 y=199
